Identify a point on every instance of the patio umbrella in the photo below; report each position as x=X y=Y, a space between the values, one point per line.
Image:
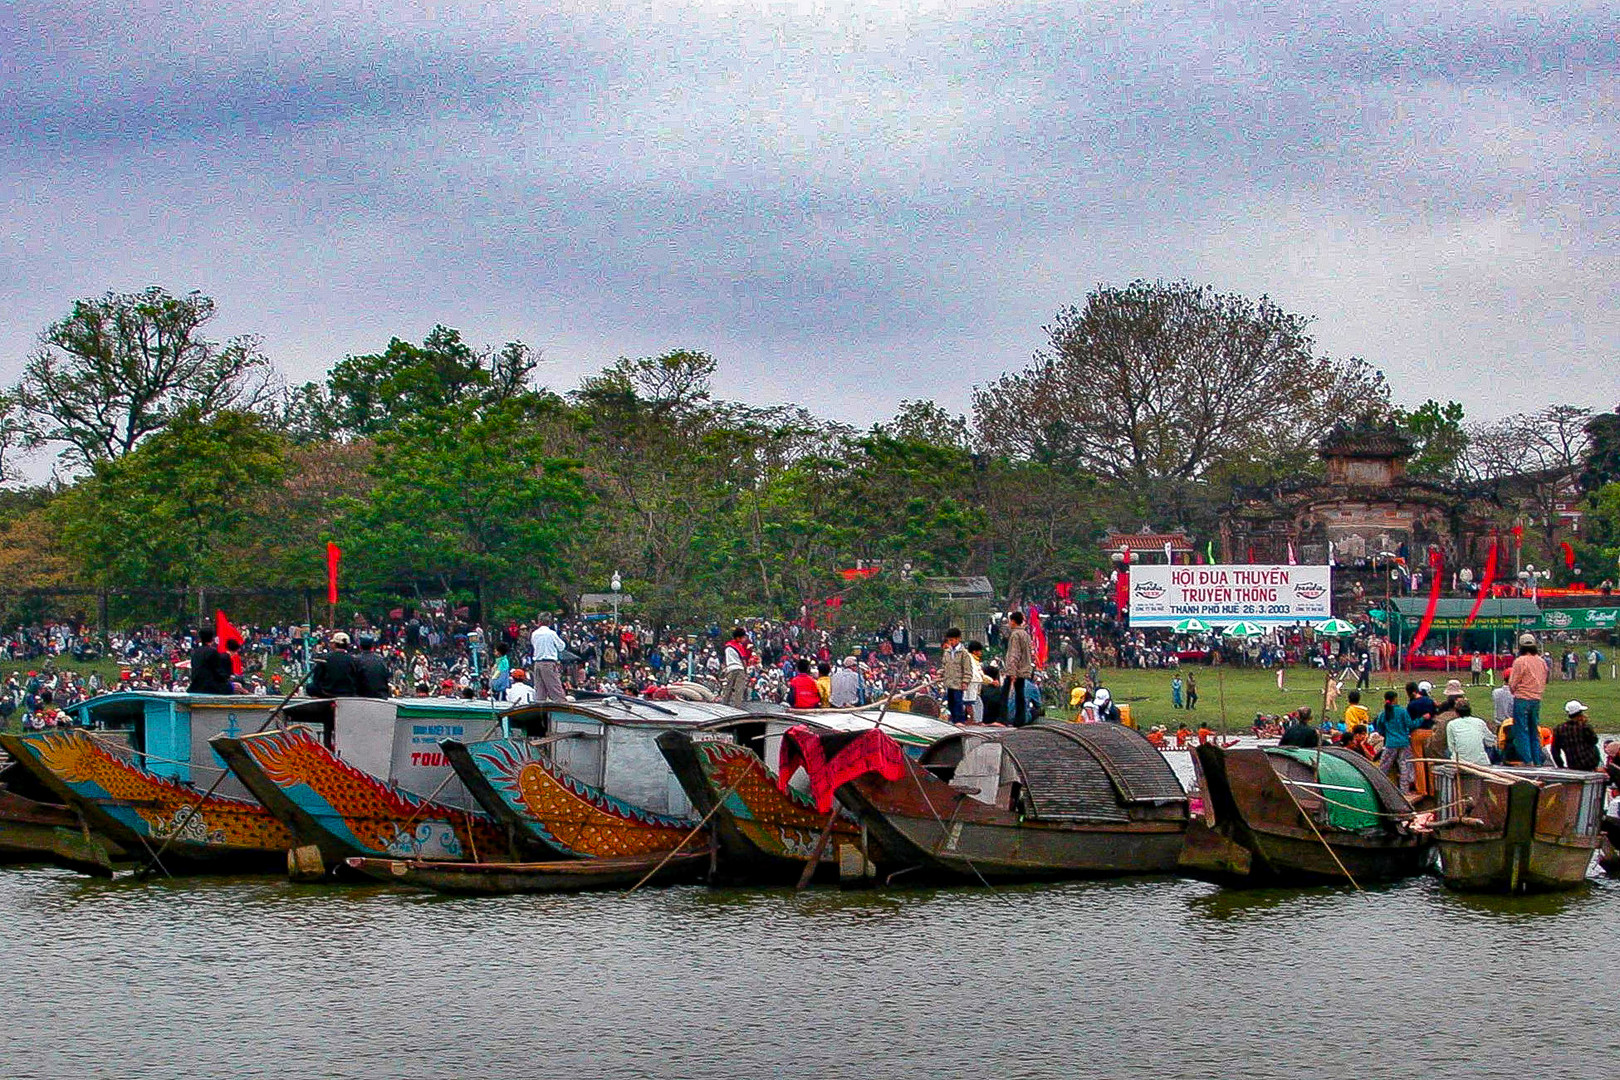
x=1336 y=628
x=1245 y=629
x=1191 y=626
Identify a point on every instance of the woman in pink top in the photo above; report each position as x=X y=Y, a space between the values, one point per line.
x=1528 y=681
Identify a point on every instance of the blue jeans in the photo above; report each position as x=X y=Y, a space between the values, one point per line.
x=954 y=701
x=1527 y=731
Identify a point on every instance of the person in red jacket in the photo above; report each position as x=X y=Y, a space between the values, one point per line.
x=803 y=691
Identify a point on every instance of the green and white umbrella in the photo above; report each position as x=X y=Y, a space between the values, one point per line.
x=1336 y=628
x=1191 y=626
x=1245 y=629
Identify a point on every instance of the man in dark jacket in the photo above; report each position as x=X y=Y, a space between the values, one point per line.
x=371 y=670
x=334 y=674
x=1300 y=731
x=210 y=668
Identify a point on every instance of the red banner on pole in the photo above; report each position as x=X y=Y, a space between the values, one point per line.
x=1485 y=584
x=1038 y=633
x=1436 y=561
x=334 y=555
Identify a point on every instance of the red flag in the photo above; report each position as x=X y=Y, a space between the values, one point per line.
x=224 y=634
x=1436 y=560
x=1038 y=632
x=1569 y=555
x=334 y=555
x=1064 y=590
x=1485 y=583
x=1518 y=535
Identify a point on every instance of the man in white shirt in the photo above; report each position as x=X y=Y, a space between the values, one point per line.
x=844 y=687
x=971 y=697
x=520 y=692
x=547 y=647
x=1467 y=736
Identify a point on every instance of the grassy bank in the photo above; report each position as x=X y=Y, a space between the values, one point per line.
x=1247 y=691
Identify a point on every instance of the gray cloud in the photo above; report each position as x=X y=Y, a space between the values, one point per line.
x=847 y=207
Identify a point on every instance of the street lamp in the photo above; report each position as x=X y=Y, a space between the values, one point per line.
x=617 y=584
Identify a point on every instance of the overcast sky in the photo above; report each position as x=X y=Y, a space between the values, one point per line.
x=846 y=204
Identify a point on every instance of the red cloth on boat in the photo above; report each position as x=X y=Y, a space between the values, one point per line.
x=834 y=760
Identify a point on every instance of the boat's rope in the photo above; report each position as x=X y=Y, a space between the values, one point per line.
x=695 y=829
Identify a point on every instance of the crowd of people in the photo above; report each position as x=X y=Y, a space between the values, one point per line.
x=1413 y=727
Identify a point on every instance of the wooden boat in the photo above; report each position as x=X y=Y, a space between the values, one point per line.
x=566 y=875
x=45 y=832
x=137 y=766
x=366 y=778
x=1510 y=830
x=1051 y=800
x=584 y=778
x=1290 y=816
x=761 y=831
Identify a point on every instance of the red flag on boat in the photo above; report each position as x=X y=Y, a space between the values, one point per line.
x=224 y=634
x=1038 y=633
x=334 y=555
x=833 y=760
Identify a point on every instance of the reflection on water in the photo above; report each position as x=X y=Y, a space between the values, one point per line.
x=1152 y=978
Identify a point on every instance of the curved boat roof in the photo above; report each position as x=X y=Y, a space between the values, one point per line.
x=1075 y=771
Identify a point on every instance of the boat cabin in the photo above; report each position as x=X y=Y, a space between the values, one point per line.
x=1060 y=772
x=611 y=743
x=396 y=739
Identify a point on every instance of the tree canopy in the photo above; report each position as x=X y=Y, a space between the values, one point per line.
x=444 y=471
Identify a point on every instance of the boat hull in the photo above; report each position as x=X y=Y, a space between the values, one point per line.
x=549 y=808
x=35 y=832
x=324 y=801
x=141 y=812
x=1252 y=832
x=760 y=832
x=925 y=824
x=567 y=875
x=1517 y=838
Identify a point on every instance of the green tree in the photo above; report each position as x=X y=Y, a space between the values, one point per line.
x=468 y=496
x=366 y=395
x=1440 y=437
x=120 y=368
x=1602 y=462
x=169 y=513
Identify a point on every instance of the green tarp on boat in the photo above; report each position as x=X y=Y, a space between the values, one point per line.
x=1354 y=809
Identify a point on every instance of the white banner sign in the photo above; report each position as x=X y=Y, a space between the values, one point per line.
x=1222 y=595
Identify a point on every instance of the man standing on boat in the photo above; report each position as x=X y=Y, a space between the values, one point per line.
x=370 y=670
x=1020 y=661
x=334 y=673
x=548 y=649
x=955 y=668
x=210 y=668
x=1527 y=679
x=738 y=659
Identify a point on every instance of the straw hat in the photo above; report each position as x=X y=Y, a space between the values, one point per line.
x=1454 y=688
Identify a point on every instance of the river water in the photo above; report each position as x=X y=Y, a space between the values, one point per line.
x=258 y=977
